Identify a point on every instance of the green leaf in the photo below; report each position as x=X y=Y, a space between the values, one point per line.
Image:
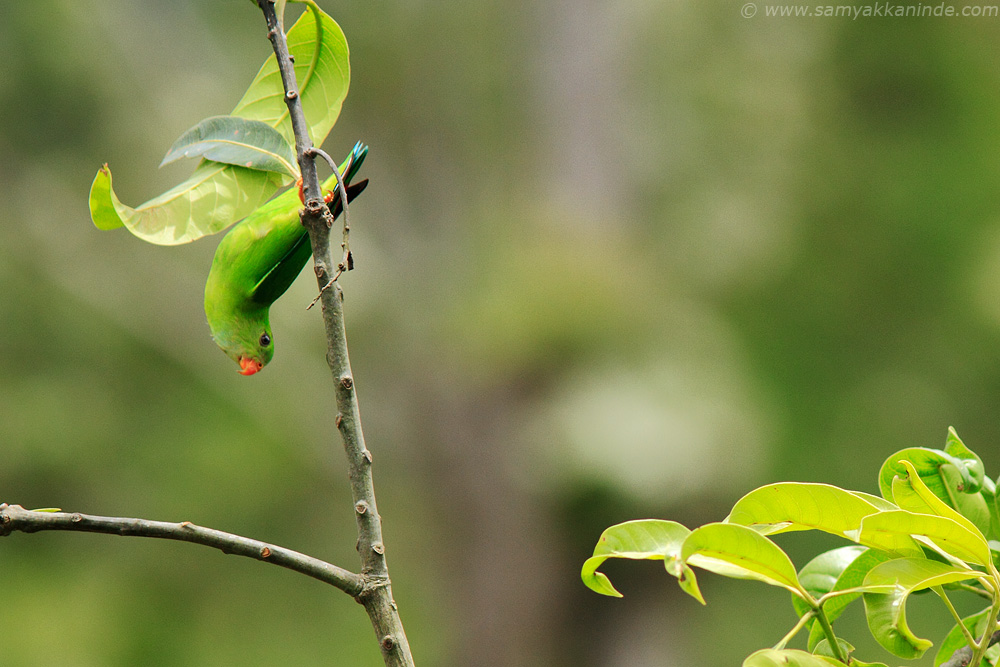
x=885 y=529
x=644 y=539
x=323 y=75
x=217 y=195
x=788 y=657
x=955 y=639
x=928 y=463
x=852 y=576
x=823 y=648
x=741 y=553
x=912 y=494
x=239 y=141
x=820 y=575
x=789 y=506
x=879 y=502
x=886 y=610
x=971 y=505
x=989 y=494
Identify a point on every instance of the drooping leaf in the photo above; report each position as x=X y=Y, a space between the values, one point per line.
x=741 y=553
x=912 y=494
x=884 y=530
x=788 y=506
x=788 y=657
x=217 y=195
x=239 y=141
x=644 y=539
x=886 y=610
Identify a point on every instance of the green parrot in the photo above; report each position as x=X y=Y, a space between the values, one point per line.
x=256 y=262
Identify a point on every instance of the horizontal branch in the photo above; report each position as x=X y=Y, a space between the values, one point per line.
x=16 y=518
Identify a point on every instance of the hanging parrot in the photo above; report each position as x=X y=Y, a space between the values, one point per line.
x=256 y=262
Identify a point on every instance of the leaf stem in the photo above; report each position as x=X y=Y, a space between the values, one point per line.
x=973 y=589
x=795 y=630
x=958 y=619
x=838 y=652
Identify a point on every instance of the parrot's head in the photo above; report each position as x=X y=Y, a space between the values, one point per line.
x=248 y=342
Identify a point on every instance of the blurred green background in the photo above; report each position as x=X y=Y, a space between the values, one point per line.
x=618 y=260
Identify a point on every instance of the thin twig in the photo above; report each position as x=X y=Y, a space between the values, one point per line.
x=16 y=518
x=347 y=263
x=377 y=596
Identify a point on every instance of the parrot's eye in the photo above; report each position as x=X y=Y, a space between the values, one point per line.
x=265 y=340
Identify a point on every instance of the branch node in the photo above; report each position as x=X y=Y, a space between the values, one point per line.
x=77 y=518
x=265 y=552
x=187 y=524
x=388 y=643
x=291 y=95
x=361 y=507
x=367 y=455
x=378 y=548
x=338 y=421
x=347 y=381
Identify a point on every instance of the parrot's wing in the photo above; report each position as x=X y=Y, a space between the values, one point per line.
x=281 y=276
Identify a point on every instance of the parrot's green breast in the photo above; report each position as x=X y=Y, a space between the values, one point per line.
x=255 y=263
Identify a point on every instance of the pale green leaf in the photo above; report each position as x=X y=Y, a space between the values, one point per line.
x=886 y=610
x=741 y=553
x=238 y=141
x=884 y=530
x=217 y=195
x=643 y=539
x=788 y=657
x=788 y=506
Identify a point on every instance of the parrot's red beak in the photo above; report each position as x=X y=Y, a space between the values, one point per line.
x=249 y=366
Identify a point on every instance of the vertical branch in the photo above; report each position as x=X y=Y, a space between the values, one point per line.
x=376 y=595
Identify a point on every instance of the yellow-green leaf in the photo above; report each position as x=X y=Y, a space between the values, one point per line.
x=643 y=539
x=788 y=657
x=742 y=553
x=885 y=530
x=789 y=506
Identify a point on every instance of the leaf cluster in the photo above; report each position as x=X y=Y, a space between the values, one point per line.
x=247 y=156
x=936 y=526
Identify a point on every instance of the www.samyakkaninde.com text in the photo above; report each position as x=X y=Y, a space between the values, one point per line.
x=876 y=10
